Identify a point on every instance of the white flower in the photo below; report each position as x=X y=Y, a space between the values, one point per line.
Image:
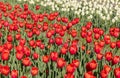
x=110 y=12
x=116 y=18
x=90 y=17
x=92 y=11
x=42 y=3
x=90 y=4
x=53 y=9
x=103 y=17
x=68 y=9
x=19 y=0
x=57 y=9
x=108 y=17
x=83 y=14
x=87 y=12
x=32 y=2
x=113 y=20
x=72 y=9
x=64 y=9
x=37 y=0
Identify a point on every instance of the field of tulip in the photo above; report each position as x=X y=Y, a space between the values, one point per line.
x=44 y=39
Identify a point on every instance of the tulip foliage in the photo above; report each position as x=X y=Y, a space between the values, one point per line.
x=36 y=44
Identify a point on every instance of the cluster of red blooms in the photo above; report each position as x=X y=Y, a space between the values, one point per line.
x=20 y=28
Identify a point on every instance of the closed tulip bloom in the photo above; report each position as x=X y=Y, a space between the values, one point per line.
x=117 y=72
x=5 y=70
x=26 y=61
x=45 y=58
x=54 y=56
x=89 y=75
x=91 y=65
x=61 y=63
x=34 y=71
x=108 y=56
x=14 y=74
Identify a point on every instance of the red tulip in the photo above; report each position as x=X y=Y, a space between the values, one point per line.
x=116 y=34
x=26 y=61
x=69 y=75
x=61 y=63
x=23 y=77
x=115 y=60
x=83 y=34
x=117 y=72
x=89 y=75
x=107 y=68
x=45 y=28
x=9 y=38
x=5 y=56
x=83 y=47
x=22 y=41
x=35 y=56
x=103 y=74
x=70 y=68
x=108 y=56
x=19 y=48
x=58 y=19
x=19 y=55
x=34 y=71
x=8 y=46
x=70 y=24
x=64 y=19
x=107 y=39
x=14 y=74
x=49 y=34
x=58 y=40
x=83 y=28
x=29 y=34
x=32 y=43
x=96 y=36
x=89 y=33
x=74 y=42
x=45 y=58
x=5 y=70
x=51 y=41
x=88 y=25
x=18 y=36
x=97 y=49
x=91 y=65
x=6 y=23
x=25 y=7
x=88 y=39
x=73 y=49
x=112 y=45
x=66 y=45
x=102 y=43
x=76 y=63
x=1 y=48
x=37 y=7
x=54 y=56
x=75 y=21
x=101 y=32
x=63 y=50
x=73 y=33
x=62 y=33
x=118 y=44
x=27 y=51
x=38 y=42
x=99 y=56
